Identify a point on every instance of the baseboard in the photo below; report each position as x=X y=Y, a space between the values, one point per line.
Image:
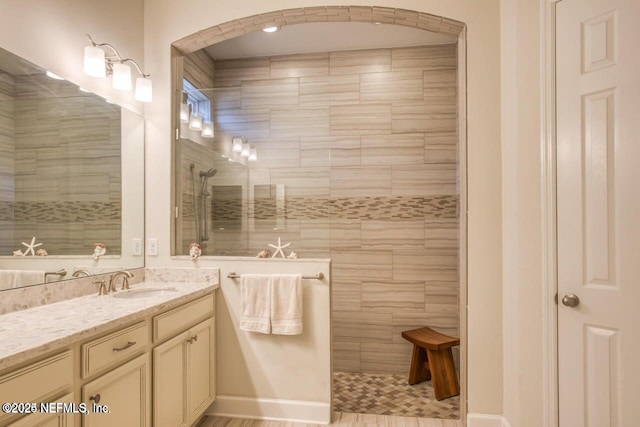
x=484 y=420
x=293 y=411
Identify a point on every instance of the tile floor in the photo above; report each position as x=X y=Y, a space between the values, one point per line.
x=387 y=394
x=339 y=419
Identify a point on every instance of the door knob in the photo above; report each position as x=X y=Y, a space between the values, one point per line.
x=571 y=300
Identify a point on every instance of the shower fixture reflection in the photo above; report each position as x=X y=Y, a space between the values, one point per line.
x=200 y=218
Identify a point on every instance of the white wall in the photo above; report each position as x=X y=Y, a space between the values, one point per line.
x=168 y=20
x=522 y=139
x=294 y=371
x=52 y=34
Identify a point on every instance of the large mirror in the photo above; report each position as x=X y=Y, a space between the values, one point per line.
x=71 y=179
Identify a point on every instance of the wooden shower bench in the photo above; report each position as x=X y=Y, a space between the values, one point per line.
x=433 y=359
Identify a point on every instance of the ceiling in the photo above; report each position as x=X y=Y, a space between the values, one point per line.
x=325 y=37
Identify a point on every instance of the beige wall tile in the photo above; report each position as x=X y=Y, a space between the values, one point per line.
x=395 y=86
x=361 y=264
x=346 y=356
x=440 y=83
x=441 y=147
x=232 y=72
x=345 y=234
x=424 y=180
x=441 y=293
x=392 y=296
x=329 y=90
x=315 y=151
x=346 y=295
x=361 y=61
x=276 y=153
x=249 y=123
x=425 y=264
x=441 y=233
x=269 y=93
x=314 y=237
x=299 y=122
x=360 y=181
x=307 y=182
x=393 y=234
x=225 y=98
x=300 y=65
x=385 y=358
x=393 y=149
x=360 y=119
x=433 y=115
x=424 y=58
x=354 y=326
x=345 y=151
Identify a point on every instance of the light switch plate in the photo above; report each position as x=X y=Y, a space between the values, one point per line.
x=136 y=247
x=152 y=247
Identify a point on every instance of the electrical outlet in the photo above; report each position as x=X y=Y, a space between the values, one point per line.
x=152 y=247
x=136 y=247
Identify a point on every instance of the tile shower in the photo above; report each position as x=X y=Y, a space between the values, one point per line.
x=42 y=133
x=364 y=145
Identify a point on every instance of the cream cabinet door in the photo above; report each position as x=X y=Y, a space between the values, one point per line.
x=41 y=419
x=125 y=392
x=201 y=368
x=184 y=376
x=170 y=382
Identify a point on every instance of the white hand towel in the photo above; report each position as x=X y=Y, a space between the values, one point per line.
x=286 y=304
x=255 y=303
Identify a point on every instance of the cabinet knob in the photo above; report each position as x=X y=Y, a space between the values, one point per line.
x=192 y=339
x=95 y=398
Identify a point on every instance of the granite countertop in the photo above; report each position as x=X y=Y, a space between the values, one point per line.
x=27 y=334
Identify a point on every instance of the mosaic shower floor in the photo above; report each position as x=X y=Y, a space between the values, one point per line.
x=386 y=394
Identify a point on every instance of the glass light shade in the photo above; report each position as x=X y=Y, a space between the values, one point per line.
x=236 y=146
x=94 y=62
x=253 y=155
x=246 y=150
x=144 y=92
x=196 y=122
x=270 y=29
x=121 y=77
x=184 y=112
x=207 y=129
x=54 y=76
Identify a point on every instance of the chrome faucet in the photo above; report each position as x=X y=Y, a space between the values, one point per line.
x=79 y=273
x=125 y=282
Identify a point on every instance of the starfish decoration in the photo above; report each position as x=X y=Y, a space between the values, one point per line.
x=30 y=247
x=279 y=247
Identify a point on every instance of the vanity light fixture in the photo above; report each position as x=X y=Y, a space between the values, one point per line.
x=236 y=144
x=207 y=129
x=246 y=150
x=98 y=64
x=272 y=29
x=84 y=90
x=253 y=154
x=185 y=112
x=54 y=76
x=195 y=122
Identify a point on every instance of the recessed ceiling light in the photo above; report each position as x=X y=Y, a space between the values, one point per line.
x=54 y=76
x=84 y=90
x=270 y=29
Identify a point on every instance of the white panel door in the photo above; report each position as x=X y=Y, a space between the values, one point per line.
x=598 y=124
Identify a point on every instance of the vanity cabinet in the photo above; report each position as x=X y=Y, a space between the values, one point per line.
x=184 y=366
x=125 y=391
x=41 y=419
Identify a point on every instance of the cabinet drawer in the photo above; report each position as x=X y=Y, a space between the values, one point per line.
x=182 y=317
x=113 y=348
x=37 y=382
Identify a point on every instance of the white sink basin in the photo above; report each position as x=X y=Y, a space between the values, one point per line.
x=144 y=293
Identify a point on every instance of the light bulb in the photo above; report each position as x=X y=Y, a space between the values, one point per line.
x=184 y=112
x=246 y=150
x=207 y=129
x=270 y=29
x=236 y=146
x=196 y=122
x=253 y=155
x=144 y=92
x=94 y=62
x=121 y=77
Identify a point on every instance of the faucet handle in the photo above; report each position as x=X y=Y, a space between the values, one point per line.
x=103 y=287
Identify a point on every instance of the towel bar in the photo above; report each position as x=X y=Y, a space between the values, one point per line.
x=318 y=276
